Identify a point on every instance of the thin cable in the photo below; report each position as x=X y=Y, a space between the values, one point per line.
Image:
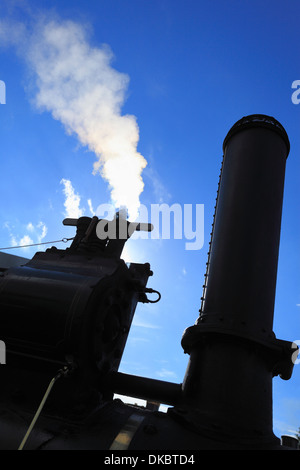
x=64 y=240
x=38 y=412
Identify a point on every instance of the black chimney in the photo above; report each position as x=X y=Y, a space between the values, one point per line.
x=233 y=351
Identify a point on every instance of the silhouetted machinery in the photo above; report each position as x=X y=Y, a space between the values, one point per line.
x=65 y=317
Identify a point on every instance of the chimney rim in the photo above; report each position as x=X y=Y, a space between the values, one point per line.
x=258 y=120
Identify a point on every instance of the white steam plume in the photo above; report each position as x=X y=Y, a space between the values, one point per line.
x=77 y=84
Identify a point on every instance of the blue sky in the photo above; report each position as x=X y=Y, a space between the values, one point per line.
x=187 y=71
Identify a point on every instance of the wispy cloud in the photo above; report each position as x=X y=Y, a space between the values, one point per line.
x=33 y=234
x=143 y=324
x=91 y=207
x=41 y=231
x=160 y=191
x=166 y=374
x=30 y=227
x=72 y=200
x=25 y=240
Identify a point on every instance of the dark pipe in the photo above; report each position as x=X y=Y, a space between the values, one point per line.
x=167 y=393
x=233 y=350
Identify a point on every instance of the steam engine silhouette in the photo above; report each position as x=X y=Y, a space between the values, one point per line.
x=66 y=315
